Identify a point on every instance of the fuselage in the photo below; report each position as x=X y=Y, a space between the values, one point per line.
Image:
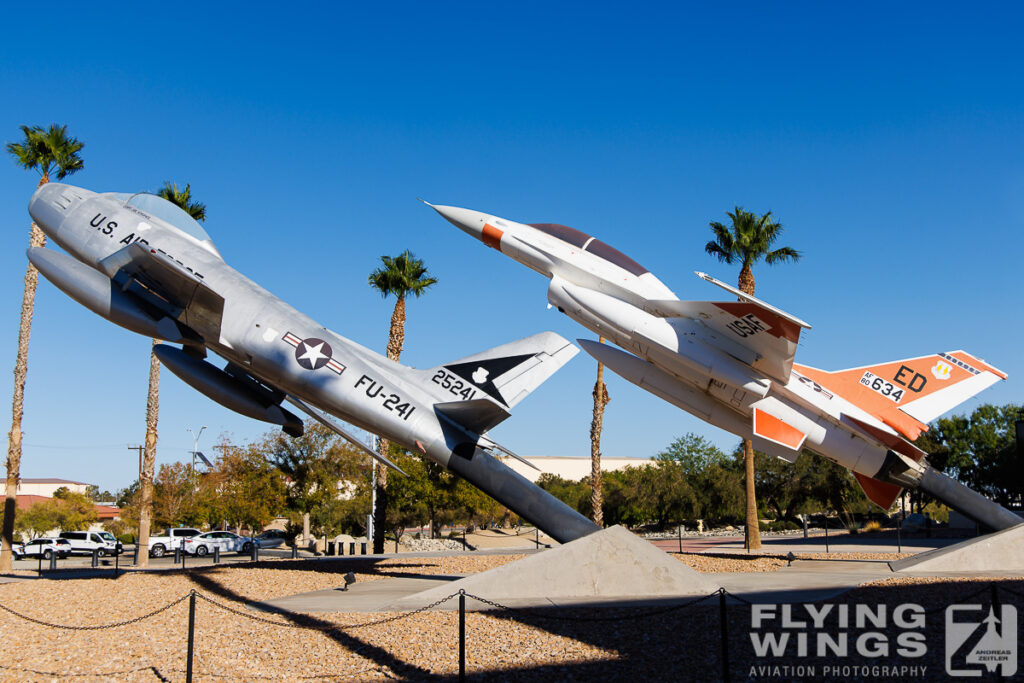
x=688 y=364
x=258 y=332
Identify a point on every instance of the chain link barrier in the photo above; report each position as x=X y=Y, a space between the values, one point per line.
x=333 y=627
x=531 y=614
x=100 y=627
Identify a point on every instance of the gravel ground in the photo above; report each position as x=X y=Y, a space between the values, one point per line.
x=681 y=644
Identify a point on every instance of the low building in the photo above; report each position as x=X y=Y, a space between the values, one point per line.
x=571 y=468
x=46 y=487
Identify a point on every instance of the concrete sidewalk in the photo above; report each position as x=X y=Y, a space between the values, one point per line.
x=802 y=582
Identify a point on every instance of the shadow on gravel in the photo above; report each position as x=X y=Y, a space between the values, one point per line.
x=686 y=645
x=371 y=652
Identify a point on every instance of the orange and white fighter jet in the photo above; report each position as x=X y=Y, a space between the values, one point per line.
x=731 y=363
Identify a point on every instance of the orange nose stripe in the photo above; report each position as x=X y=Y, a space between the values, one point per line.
x=492 y=236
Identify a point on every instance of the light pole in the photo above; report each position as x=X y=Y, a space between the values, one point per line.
x=195 y=445
x=195 y=454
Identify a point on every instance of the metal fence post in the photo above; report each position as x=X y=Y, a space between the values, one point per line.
x=295 y=551
x=723 y=621
x=462 y=636
x=826 y=534
x=216 y=554
x=679 y=530
x=899 y=539
x=39 y=570
x=117 y=558
x=177 y=555
x=255 y=551
x=95 y=557
x=53 y=561
x=135 y=555
x=191 y=635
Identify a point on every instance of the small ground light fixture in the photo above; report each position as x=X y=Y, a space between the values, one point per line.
x=790 y=556
x=350 y=578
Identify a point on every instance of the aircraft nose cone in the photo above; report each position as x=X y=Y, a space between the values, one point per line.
x=467 y=220
x=52 y=202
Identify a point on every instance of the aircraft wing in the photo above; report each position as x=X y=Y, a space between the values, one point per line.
x=750 y=330
x=167 y=285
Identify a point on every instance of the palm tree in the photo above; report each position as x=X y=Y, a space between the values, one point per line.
x=50 y=152
x=749 y=240
x=183 y=199
x=399 y=276
x=601 y=400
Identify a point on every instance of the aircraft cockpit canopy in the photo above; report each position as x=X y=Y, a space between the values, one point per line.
x=591 y=244
x=171 y=213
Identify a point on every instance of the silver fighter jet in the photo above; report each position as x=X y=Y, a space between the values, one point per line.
x=143 y=263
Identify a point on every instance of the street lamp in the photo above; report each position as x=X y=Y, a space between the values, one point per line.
x=195 y=448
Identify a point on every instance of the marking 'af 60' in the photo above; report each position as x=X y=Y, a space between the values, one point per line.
x=144 y=264
x=731 y=363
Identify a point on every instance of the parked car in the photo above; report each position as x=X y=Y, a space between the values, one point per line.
x=86 y=541
x=227 y=541
x=43 y=547
x=169 y=540
x=272 y=538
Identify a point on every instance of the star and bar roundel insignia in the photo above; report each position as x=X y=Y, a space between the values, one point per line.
x=312 y=353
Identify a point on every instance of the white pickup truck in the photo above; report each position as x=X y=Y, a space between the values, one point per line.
x=169 y=540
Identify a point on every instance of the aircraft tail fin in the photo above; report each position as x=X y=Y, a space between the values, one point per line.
x=908 y=394
x=505 y=374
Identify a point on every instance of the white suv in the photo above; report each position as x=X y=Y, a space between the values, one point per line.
x=85 y=542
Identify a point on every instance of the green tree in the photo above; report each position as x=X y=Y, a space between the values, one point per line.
x=73 y=511
x=37 y=519
x=693 y=453
x=314 y=465
x=398 y=276
x=49 y=152
x=252 y=491
x=748 y=240
x=979 y=450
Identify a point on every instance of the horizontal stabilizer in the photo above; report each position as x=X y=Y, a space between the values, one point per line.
x=882 y=494
x=891 y=441
x=506 y=373
x=908 y=394
x=750 y=330
x=478 y=416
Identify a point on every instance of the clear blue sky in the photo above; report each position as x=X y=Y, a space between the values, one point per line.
x=886 y=138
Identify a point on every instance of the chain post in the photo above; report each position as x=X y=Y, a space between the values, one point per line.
x=462 y=635
x=135 y=554
x=95 y=558
x=39 y=569
x=191 y=635
x=679 y=530
x=723 y=621
x=117 y=557
x=216 y=554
